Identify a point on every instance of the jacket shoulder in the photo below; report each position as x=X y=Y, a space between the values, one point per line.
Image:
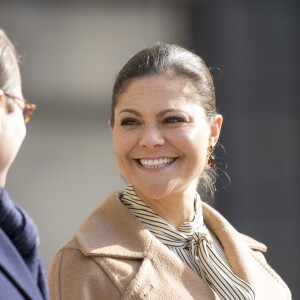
x=70 y=270
x=253 y=244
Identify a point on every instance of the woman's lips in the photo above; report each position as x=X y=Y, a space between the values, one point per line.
x=156 y=162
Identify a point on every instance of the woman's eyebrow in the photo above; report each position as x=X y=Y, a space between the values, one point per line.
x=138 y=114
x=161 y=113
x=131 y=111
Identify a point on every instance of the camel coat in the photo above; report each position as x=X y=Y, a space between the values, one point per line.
x=113 y=256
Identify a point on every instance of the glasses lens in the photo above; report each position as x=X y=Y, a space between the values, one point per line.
x=28 y=111
x=25 y=112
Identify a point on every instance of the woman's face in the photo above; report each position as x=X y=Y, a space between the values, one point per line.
x=12 y=132
x=161 y=136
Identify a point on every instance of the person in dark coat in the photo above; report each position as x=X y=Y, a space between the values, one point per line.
x=22 y=273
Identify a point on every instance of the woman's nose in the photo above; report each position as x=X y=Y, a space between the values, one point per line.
x=151 y=136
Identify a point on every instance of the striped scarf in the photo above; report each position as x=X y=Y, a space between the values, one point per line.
x=195 y=245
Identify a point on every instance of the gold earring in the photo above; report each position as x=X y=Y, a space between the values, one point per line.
x=210 y=159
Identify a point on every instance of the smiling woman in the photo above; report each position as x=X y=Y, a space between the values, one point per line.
x=157 y=239
x=157 y=120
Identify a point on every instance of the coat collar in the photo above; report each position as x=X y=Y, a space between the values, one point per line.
x=12 y=262
x=127 y=237
x=222 y=229
x=236 y=246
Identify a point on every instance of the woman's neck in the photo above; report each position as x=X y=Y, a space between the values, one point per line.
x=176 y=208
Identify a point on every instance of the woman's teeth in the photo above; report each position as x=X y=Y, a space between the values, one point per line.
x=156 y=163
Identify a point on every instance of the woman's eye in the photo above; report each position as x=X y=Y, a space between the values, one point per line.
x=129 y=122
x=174 y=120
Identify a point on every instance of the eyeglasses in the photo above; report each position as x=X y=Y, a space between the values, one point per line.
x=27 y=109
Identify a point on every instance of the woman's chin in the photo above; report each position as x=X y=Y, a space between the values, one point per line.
x=154 y=191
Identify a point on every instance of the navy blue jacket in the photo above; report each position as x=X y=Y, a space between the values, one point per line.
x=21 y=270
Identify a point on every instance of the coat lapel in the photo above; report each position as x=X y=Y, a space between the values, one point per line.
x=235 y=250
x=124 y=235
x=13 y=264
x=162 y=268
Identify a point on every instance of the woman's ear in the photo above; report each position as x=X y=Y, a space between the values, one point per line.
x=215 y=129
